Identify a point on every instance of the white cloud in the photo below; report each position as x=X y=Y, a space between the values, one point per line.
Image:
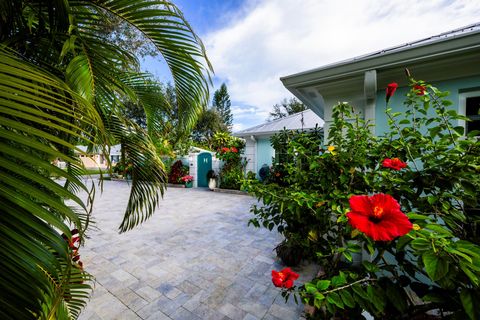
x=277 y=38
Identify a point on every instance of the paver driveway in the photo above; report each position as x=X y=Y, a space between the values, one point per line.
x=196 y=258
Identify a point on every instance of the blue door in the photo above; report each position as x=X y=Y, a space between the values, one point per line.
x=204 y=164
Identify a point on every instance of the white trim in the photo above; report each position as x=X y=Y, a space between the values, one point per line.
x=462 y=105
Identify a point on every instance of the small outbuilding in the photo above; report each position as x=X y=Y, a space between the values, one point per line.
x=258 y=150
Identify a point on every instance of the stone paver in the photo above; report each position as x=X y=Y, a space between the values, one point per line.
x=196 y=258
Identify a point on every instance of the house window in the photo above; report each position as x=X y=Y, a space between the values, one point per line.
x=469 y=106
x=281 y=155
x=472 y=111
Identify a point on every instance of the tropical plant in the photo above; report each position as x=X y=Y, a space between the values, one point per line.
x=177 y=171
x=221 y=103
x=286 y=108
x=393 y=219
x=63 y=82
x=208 y=125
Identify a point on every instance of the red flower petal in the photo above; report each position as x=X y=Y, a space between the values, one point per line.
x=391 y=90
x=285 y=278
x=378 y=216
x=288 y=284
x=360 y=205
x=394 y=163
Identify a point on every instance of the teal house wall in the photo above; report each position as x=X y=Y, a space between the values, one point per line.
x=265 y=152
x=454 y=86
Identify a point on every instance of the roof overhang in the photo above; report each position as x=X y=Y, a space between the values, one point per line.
x=426 y=60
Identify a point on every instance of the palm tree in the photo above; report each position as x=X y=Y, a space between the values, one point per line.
x=64 y=82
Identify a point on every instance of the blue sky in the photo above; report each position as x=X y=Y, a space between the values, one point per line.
x=252 y=43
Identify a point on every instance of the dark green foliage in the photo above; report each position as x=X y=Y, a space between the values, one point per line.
x=221 y=103
x=209 y=123
x=286 y=108
x=438 y=262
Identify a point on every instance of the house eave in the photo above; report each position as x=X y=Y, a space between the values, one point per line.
x=407 y=55
x=351 y=74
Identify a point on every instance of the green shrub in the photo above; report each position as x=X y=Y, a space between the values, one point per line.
x=426 y=257
x=231 y=178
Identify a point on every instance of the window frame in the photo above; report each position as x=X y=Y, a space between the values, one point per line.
x=462 y=106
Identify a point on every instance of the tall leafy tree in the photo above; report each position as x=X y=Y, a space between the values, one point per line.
x=209 y=123
x=64 y=83
x=221 y=102
x=286 y=108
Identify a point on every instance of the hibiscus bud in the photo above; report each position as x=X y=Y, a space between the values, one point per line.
x=391 y=90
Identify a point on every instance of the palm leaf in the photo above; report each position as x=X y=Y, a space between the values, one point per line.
x=39 y=118
x=163 y=23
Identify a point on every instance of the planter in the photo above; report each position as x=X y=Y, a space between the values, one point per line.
x=212 y=183
x=189 y=184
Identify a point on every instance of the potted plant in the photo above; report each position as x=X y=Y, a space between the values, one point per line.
x=212 y=179
x=188 y=180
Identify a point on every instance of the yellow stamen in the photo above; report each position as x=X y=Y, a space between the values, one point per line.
x=377 y=212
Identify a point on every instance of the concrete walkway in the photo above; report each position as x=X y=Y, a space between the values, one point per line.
x=194 y=259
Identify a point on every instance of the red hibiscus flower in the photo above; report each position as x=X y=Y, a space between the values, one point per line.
x=391 y=90
x=394 y=163
x=233 y=149
x=225 y=149
x=419 y=89
x=378 y=216
x=284 y=278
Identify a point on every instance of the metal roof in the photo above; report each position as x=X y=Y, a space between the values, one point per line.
x=456 y=33
x=302 y=120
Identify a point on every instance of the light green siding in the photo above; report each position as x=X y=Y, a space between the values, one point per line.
x=455 y=87
x=265 y=152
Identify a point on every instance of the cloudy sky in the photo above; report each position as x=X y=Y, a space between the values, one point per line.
x=252 y=43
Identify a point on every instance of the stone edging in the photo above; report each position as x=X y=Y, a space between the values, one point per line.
x=230 y=191
x=172 y=185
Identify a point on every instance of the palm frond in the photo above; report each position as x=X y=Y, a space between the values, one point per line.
x=148 y=176
x=40 y=118
x=163 y=23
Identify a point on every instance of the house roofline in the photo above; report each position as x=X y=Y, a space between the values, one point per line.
x=420 y=50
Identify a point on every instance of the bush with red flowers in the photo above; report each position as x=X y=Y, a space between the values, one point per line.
x=394 y=220
x=177 y=171
x=229 y=150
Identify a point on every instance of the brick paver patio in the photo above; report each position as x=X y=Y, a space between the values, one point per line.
x=194 y=259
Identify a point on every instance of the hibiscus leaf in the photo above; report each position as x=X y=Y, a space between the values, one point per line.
x=370 y=267
x=467 y=303
x=416 y=216
x=334 y=298
x=323 y=284
x=402 y=242
x=347 y=298
x=359 y=291
x=436 y=267
x=339 y=280
x=397 y=297
x=347 y=256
